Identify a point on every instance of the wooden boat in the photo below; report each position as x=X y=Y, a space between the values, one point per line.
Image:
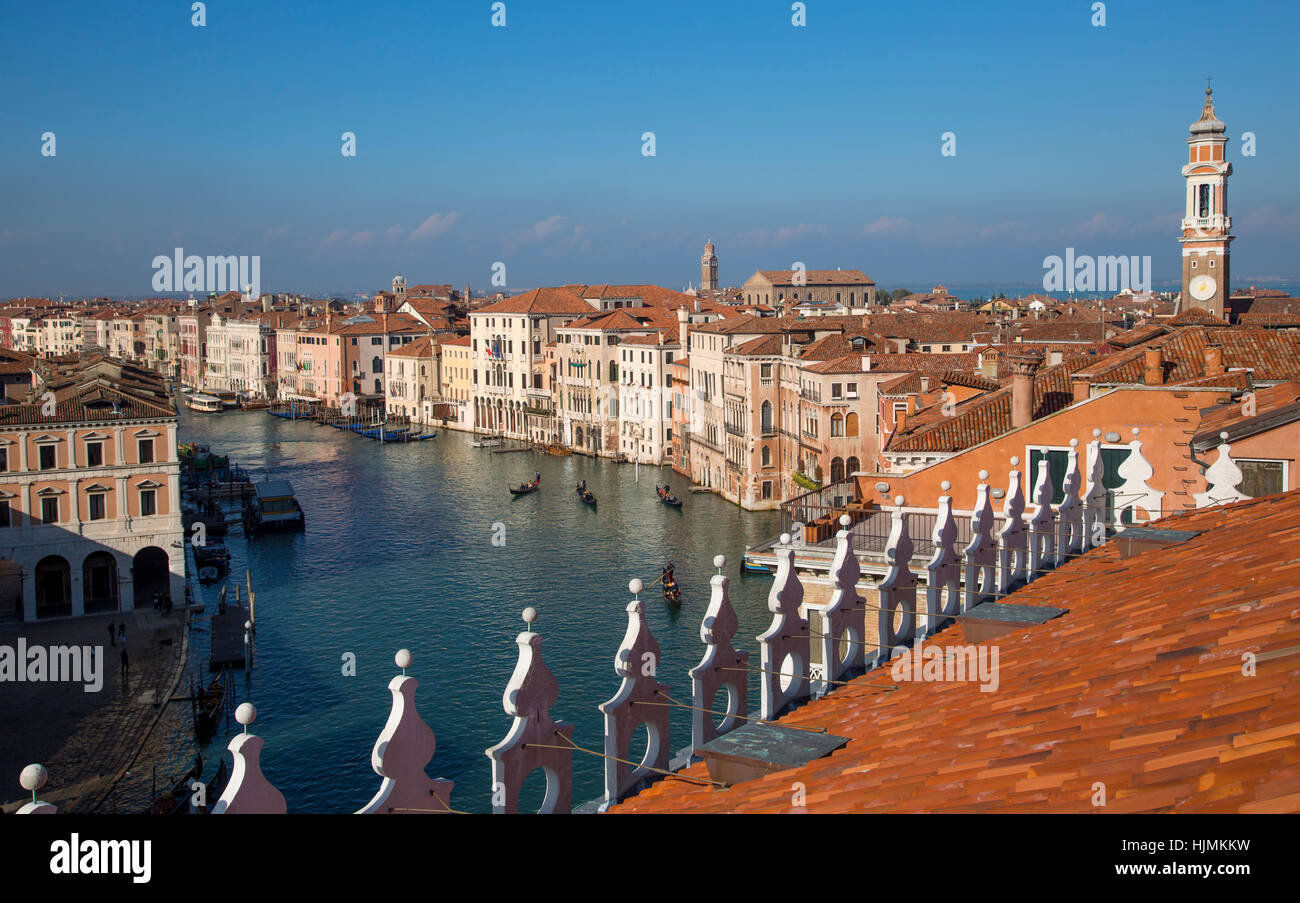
x=208 y=707
x=525 y=488
x=583 y=494
x=749 y=567
x=672 y=592
x=208 y=404
x=558 y=450
x=177 y=800
x=667 y=497
x=489 y=442
x=209 y=574
x=254 y=405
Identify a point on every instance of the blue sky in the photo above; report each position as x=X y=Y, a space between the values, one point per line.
x=523 y=144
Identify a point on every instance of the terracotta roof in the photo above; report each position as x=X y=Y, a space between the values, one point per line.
x=1138 y=686
x=1271 y=354
x=421 y=347
x=540 y=301
x=848 y=363
x=1195 y=316
x=1273 y=406
x=984 y=417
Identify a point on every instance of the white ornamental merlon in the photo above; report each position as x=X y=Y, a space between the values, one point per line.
x=1221 y=479
x=1094 y=502
x=639 y=702
x=844 y=619
x=898 y=589
x=249 y=792
x=981 y=553
x=1042 y=524
x=1069 y=514
x=1136 y=492
x=786 y=637
x=534 y=740
x=1013 y=546
x=404 y=748
x=33 y=778
x=722 y=667
x=943 y=583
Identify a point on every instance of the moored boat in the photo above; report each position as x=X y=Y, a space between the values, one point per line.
x=273 y=507
x=749 y=567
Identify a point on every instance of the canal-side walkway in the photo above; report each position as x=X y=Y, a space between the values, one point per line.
x=88 y=741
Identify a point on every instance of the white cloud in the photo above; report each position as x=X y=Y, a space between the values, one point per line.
x=436 y=226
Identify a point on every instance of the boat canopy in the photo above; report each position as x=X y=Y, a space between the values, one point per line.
x=273 y=489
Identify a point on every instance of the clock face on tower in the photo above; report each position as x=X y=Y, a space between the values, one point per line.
x=1202 y=288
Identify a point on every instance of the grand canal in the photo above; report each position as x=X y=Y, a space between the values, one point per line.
x=398 y=552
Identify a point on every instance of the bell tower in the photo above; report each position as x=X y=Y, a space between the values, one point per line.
x=1205 y=237
x=709 y=268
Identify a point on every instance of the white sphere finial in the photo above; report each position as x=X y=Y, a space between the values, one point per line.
x=845 y=520
x=945 y=485
x=246 y=714
x=1096 y=433
x=1015 y=460
x=1074 y=443
x=1136 y=431
x=530 y=615
x=636 y=585
x=719 y=561
x=984 y=475
x=33 y=777
x=1224 y=435
x=403 y=658
x=898 y=500
x=785 y=539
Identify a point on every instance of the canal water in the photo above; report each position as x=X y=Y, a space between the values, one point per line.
x=398 y=552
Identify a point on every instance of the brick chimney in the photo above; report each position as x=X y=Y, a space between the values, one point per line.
x=1023 y=366
x=988 y=366
x=1153 y=373
x=1214 y=361
x=1082 y=387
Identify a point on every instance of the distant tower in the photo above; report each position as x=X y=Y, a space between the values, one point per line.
x=399 y=289
x=1205 y=235
x=708 y=268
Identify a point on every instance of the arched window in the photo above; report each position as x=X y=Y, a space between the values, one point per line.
x=767 y=416
x=854 y=466
x=837 y=469
x=851 y=425
x=837 y=425
x=767 y=456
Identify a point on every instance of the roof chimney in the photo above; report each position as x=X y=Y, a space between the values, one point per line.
x=1213 y=360
x=989 y=366
x=1082 y=387
x=1024 y=365
x=1153 y=373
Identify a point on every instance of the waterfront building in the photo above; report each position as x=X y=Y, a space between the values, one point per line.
x=90 y=495
x=413 y=377
x=507 y=339
x=192 y=329
x=457 y=386
x=645 y=396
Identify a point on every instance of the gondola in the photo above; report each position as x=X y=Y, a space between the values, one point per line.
x=672 y=592
x=748 y=567
x=586 y=496
x=525 y=488
x=209 y=705
x=667 y=497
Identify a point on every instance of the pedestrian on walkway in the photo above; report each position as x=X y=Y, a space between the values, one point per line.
x=126 y=667
x=112 y=634
x=121 y=633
